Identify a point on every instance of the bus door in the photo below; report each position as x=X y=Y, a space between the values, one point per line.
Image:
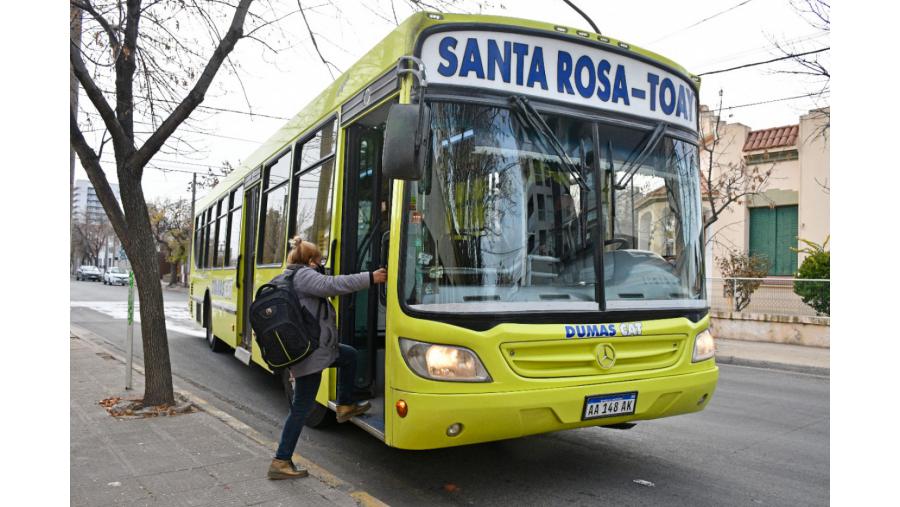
x=246 y=264
x=366 y=217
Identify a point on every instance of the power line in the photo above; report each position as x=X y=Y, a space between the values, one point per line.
x=212 y=108
x=169 y=161
x=771 y=101
x=718 y=60
x=754 y=64
x=704 y=20
x=182 y=129
x=171 y=170
x=185 y=171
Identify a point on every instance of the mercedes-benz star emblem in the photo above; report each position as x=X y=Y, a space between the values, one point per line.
x=606 y=356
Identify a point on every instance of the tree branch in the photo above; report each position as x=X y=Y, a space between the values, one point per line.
x=113 y=38
x=91 y=163
x=120 y=139
x=126 y=63
x=312 y=37
x=197 y=93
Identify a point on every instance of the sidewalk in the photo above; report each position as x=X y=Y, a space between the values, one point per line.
x=799 y=358
x=197 y=459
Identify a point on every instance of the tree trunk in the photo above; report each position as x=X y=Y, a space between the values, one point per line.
x=141 y=250
x=173 y=273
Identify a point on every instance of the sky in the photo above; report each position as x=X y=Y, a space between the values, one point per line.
x=701 y=35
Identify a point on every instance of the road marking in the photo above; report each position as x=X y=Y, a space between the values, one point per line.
x=178 y=317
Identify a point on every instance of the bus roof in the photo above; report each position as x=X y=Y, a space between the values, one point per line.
x=401 y=41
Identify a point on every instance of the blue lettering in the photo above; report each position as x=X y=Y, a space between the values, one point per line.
x=564 y=73
x=603 y=331
x=471 y=60
x=620 y=87
x=585 y=89
x=681 y=109
x=495 y=61
x=592 y=330
x=667 y=106
x=653 y=79
x=689 y=110
x=604 y=89
x=580 y=331
x=445 y=48
x=612 y=329
x=570 y=331
x=520 y=50
x=537 y=73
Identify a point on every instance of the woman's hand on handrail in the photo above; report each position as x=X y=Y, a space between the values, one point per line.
x=379 y=276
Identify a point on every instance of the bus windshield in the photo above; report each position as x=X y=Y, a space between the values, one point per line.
x=501 y=222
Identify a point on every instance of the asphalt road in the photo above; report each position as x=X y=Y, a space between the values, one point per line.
x=763 y=440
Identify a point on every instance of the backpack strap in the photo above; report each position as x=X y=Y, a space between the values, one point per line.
x=322 y=304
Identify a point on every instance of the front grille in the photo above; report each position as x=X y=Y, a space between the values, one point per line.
x=579 y=357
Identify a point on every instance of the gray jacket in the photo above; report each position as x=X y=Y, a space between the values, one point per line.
x=311 y=286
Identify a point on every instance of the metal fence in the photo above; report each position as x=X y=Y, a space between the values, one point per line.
x=772 y=296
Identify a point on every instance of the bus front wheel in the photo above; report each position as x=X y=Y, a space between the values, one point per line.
x=319 y=415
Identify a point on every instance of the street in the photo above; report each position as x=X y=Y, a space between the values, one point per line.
x=763 y=440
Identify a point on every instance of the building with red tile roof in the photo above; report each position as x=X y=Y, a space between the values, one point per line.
x=793 y=202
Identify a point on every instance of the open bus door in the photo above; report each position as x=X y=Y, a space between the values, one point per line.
x=366 y=222
x=246 y=265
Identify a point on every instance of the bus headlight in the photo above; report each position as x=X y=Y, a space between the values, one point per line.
x=704 y=346
x=443 y=362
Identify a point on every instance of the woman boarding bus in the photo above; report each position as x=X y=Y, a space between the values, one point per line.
x=534 y=192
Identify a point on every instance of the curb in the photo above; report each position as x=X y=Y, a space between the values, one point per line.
x=773 y=365
x=362 y=498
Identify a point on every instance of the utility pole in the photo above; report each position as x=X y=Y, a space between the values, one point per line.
x=75 y=37
x=187 y=265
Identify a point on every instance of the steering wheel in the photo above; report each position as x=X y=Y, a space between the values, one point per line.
x=622 y=242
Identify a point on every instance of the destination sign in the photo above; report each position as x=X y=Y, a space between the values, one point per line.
x=559 y=70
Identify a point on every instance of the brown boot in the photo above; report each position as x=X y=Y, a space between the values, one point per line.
x=347 y=412
x=282 y=469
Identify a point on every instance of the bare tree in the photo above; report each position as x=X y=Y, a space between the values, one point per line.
x=89 y=239
x=815 y=67
x=140 y=62
x=726 y=183
x=151 y=63
x=211 y=178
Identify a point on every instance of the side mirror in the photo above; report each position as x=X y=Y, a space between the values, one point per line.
x=406 y=139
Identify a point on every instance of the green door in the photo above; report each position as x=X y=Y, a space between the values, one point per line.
x=773 y=232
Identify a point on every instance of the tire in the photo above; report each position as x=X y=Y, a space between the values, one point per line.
x=319 y=415
x=216 y=345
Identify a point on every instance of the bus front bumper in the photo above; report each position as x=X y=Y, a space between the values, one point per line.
x=497 y=416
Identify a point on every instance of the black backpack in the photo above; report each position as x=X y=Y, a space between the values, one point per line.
x=286 y=332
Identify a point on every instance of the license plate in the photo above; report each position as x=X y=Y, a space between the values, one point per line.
x=609 y=405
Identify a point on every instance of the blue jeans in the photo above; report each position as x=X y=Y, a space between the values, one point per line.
x=305 y=389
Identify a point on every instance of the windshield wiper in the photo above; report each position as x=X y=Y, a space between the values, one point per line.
x=532 y=119
x=639 y=154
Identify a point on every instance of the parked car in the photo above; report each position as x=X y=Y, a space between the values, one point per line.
x=88 y=273
x=115 y=276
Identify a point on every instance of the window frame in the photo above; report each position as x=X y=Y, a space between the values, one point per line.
x=298 y=171
x=222 y=213
x=235 y=195
x=263 y=206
